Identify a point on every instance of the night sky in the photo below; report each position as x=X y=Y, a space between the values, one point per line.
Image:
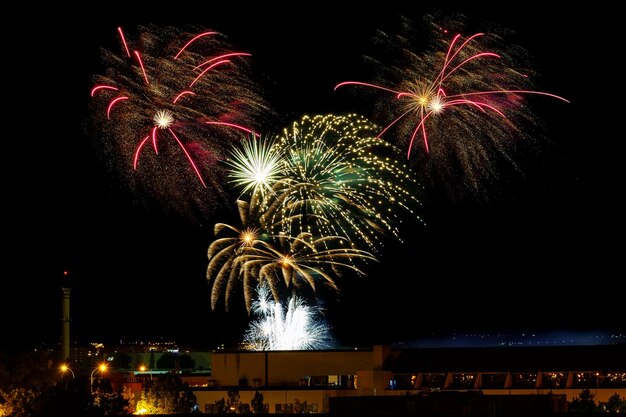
x=506 y=265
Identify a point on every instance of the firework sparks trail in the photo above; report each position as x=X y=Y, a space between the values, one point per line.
x=429 y=98
x=463 y=100
x=168 y=85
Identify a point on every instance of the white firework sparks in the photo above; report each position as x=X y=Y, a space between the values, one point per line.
x=163 y=119
x=256 y=167
x=295 y=326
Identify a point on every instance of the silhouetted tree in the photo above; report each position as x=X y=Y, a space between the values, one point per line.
x=233 y=404
x=167 y=395
x=299 y=407
x=18 y=402
x=27 y=370
x=220 y=406
x=188 y=402
x=583 y=403
x=186 y=361
x=166 y=361
x=68 y=398
x=121 y=360
x=616 y=404
x=257 y=403
x=172 y=361
x=112 y=403
x=152 y=363
x=102 y=385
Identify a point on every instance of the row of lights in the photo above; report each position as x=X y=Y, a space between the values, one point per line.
x=64 y=368
x=102 y=368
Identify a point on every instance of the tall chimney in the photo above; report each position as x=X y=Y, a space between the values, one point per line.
x=65 y=322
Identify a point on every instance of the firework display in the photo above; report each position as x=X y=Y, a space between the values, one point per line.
x=293 y=326
x=166 y=110
x=319 y=194
x=176 y=115
x=463 y=100
x=328 y=175
x=251 y=256
x=256 y=166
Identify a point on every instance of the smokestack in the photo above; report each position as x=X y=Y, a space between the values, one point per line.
x=65 y=321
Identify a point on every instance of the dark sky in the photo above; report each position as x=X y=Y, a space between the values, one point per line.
x=538 y=256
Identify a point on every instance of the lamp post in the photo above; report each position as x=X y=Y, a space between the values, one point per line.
x=142 y=368
x=64 y=369
x=102 y=368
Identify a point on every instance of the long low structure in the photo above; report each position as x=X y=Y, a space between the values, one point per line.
x=308 y=380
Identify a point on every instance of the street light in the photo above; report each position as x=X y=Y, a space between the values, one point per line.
x=64 y=369
x=142 y=368
x=102 y=368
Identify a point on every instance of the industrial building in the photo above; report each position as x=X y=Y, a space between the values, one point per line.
x=314 y=379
